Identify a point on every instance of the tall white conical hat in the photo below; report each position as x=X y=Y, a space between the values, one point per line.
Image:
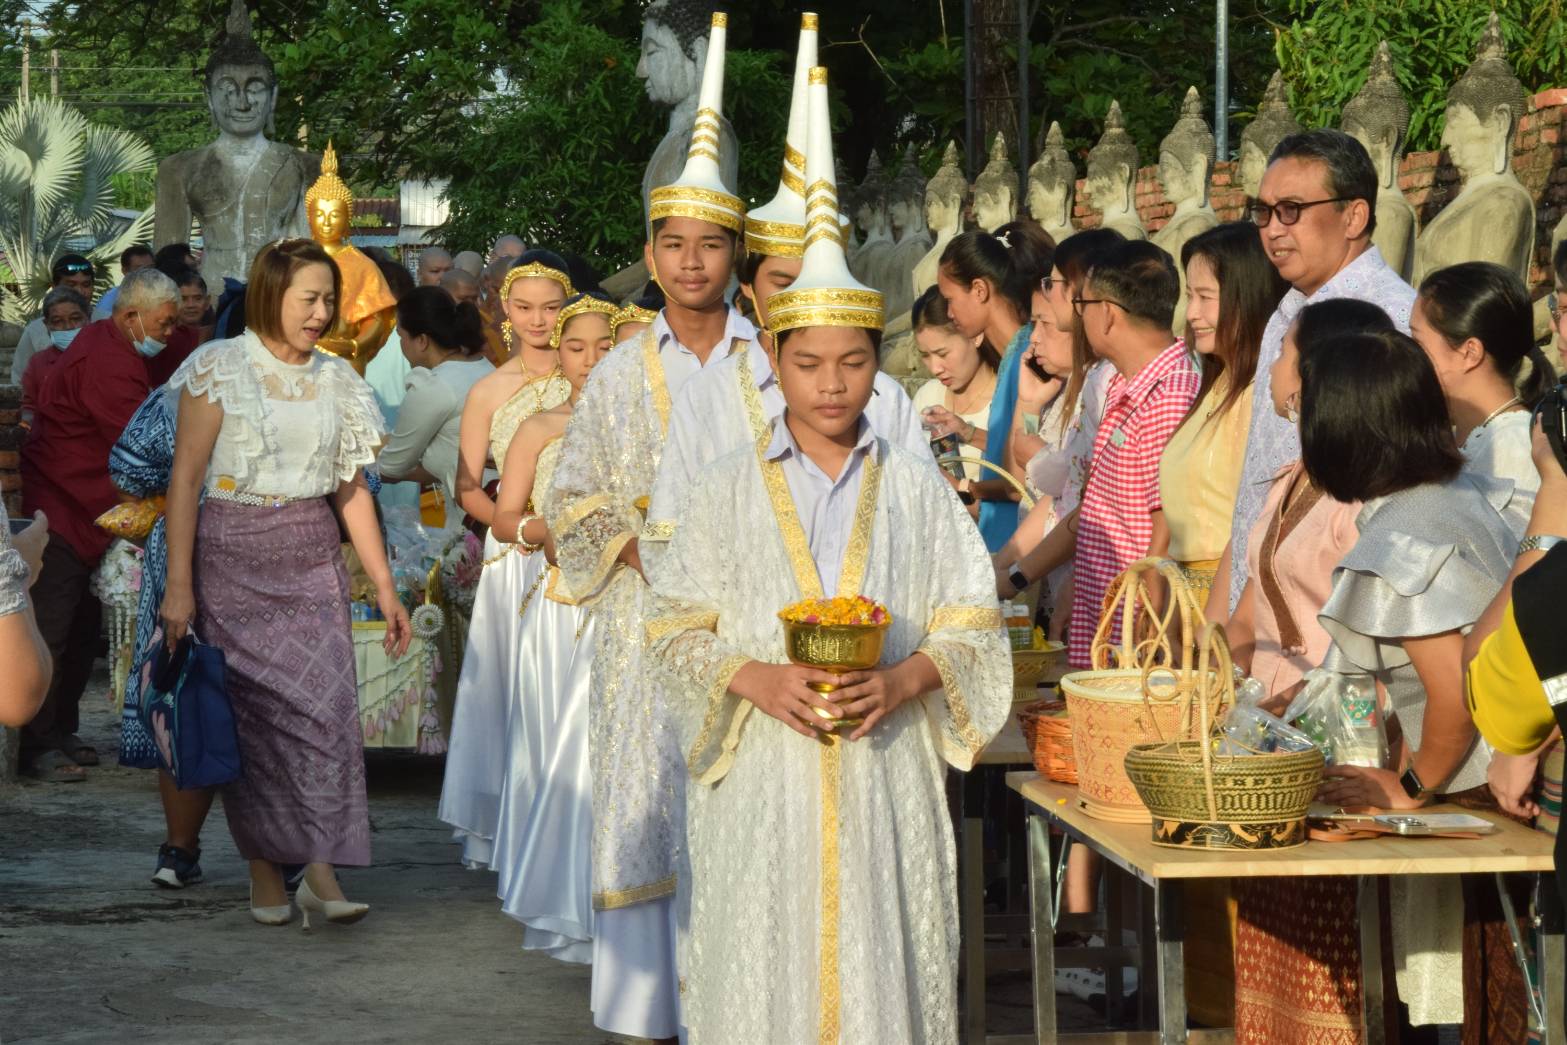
x=826 y=294
x=700 y=192
x=778 y=229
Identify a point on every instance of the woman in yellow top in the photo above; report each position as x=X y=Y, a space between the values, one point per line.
x=1232 y=290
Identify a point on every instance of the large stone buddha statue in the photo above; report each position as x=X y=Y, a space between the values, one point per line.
x=944 y=196
x=1492 y=217
x=245 y=190
x=906 y=213
x=1052 y=186
x=995 y=189
x=674 y=51
x=1111 y=185
x=1273 y=123
x=1185 y=158
x=366 y=310
x=869 y=207
x=1378 y=118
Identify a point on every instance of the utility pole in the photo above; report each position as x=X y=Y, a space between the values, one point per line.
x=27 y=64
x=1221 y=81
x=54 y=72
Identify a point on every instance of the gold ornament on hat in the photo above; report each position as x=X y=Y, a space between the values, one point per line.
x=778 y=229
x=826 y=294
x=581 y=306
x=700 y=191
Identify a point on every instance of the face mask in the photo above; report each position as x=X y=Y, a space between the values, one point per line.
x=148 y=346
x=62 y=339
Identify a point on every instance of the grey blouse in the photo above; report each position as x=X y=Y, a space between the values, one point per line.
x=1428 y=560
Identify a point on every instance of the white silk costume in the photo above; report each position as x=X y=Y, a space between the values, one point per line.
x=544 y=838
x=733 y=404
x=824 y=883
x=480 y=747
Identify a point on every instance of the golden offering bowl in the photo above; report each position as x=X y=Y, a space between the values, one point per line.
x=1029 y=667
x=835 y=648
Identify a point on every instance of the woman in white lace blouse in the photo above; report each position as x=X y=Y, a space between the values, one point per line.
x=275 y=435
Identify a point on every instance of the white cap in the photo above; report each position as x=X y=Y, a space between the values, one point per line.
x=700 y=191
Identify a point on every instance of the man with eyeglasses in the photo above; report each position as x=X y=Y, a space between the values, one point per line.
x=1315 y=211
x=71 y=271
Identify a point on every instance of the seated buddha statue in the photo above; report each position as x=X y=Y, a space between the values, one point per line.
x=1111 y=185
x=1492 y=217
x=1052 y=186
x=1273 y=123
x=1378 y=118
x=995 y=189
x=366 y=310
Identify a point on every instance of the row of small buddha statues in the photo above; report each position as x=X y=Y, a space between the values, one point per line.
x=1491 y=219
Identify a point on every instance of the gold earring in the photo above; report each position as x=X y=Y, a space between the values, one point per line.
x=506 y=335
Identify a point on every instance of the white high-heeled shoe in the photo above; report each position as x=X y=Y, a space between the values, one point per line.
x=270 y=915
x=343 y=912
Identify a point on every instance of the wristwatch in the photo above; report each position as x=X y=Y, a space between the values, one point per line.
x=1412 y=785
x=1539 y=542
x=1018 y=578
x=965 y=491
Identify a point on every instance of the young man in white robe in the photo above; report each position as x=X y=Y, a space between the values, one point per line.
x=734 y=401
x=594 y=508
x=823 y=869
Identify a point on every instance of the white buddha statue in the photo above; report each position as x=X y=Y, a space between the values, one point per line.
x=1185 y=158
x=1492 y=217
x=869 y=263
x=906 y=213
x=1052 y=186
x=995 y=189
x=944 y=195
x=1111 y=185
x=1273 y=123
x=1378 y=118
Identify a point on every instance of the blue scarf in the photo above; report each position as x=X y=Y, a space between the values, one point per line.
x=998 y=519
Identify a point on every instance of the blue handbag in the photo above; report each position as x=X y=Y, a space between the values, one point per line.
x=186 y=710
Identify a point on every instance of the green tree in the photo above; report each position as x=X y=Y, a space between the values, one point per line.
x=1326 y=49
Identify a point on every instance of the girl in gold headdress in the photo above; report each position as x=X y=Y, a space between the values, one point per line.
x=529 y=382
x=366 y=310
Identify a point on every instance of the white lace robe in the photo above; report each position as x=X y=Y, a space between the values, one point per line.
x=824 y=883
x=608 y=459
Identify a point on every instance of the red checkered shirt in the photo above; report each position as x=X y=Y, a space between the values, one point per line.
x=1115 y=518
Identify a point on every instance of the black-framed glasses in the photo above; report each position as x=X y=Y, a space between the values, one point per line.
x=1048 y=283
x=1080 y=304
x=1287 y=211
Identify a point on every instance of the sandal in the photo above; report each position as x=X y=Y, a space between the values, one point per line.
x=56 y=767
x=83 y=754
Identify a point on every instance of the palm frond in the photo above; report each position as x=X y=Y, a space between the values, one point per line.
x=43 y=140
x=109 y=151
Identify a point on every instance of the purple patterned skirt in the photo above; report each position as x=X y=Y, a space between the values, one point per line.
x=272 y=593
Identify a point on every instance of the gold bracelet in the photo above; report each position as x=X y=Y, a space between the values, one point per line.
x=522 y=541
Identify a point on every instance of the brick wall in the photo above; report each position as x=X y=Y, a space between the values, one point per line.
x=1427 y=179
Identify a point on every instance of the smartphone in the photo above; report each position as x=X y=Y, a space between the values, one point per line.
x=18 y=525
x=1435 y=823
x=1038 y=371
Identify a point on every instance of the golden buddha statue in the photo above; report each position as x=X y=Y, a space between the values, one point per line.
x=366 y=310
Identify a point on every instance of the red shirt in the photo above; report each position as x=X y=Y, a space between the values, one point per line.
x=1115 y=518
x=82 y=409
x=38 y=368
x=182 y=342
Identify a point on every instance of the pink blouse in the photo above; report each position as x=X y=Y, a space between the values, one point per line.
x=1298 y=581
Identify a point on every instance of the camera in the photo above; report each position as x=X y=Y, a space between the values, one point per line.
x=1552 y=416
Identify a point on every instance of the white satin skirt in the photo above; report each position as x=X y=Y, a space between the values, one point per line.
x=636 y=985
x=543 y=843
x=477 y=753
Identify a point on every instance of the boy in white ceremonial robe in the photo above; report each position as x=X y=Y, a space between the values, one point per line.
x=734 y=401
x=823 y=869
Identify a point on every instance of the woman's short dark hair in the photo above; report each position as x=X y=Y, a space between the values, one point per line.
x=1335 y=318
x=930 y=312
x=1372 y=417
x=431 y=312
x=1012 y=261
x=272 y=272
x=187 y=277
x=1141 y=278
x=1250 y=290
x=398 y=279
x=1484 y=301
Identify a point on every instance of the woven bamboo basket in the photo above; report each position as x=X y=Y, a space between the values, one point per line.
x=1047 y=730
x=1140 y=690
x=1202 y=800
x=1029 y=667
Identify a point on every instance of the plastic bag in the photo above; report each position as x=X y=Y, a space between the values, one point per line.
x=1249 y=730
x=1341 y=715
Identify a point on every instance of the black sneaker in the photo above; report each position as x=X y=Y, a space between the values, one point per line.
x=177 y=867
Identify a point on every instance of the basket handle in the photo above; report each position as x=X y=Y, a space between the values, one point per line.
x=1024 y=497
x=1145 y=633
x=1214 y=648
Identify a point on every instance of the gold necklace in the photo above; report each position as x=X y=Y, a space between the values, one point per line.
x=1498 y=412
x=960 y=410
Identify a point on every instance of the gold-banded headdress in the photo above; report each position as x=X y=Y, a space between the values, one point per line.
x=778 y=229
x=581 y=305
x=329 y=186
x=536 y=270
x=700 y=191
x=826 y=294
x=631 y=312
